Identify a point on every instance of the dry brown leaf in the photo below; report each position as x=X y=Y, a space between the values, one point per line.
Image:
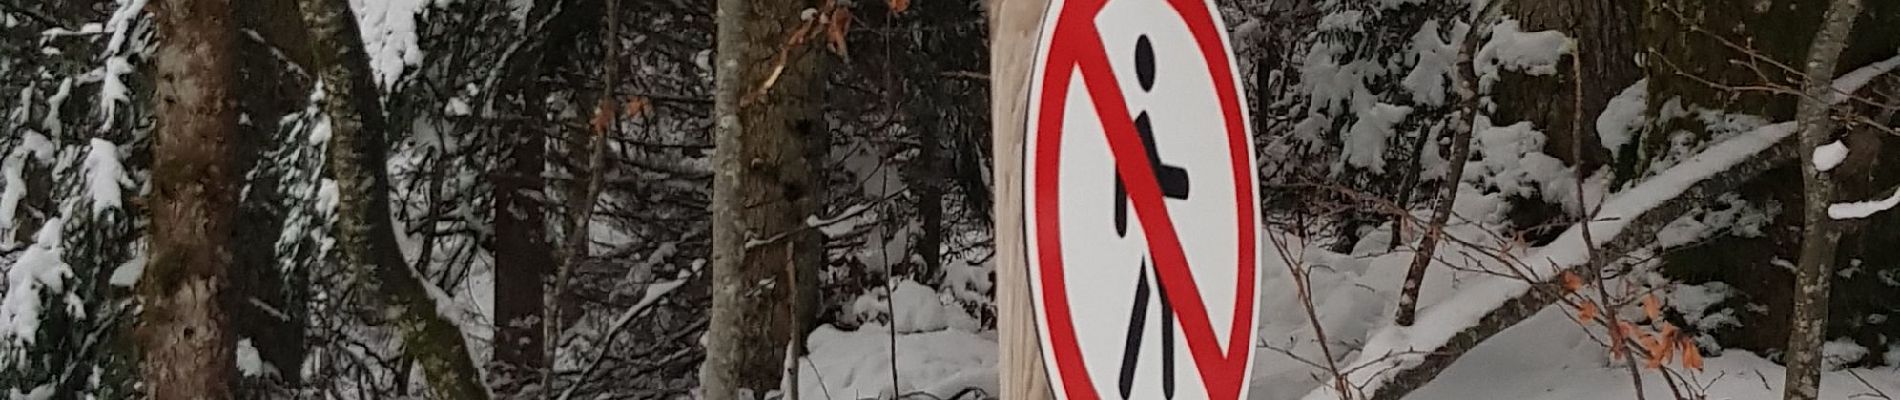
x=1652 y=307
x=1648 y=341
x=1691 y=355
x=1665 y=350
x=1587 y=311
x=1572 y=282
x=603 y=116
x=636 y=106
x=835 y=29
x=898 y=6
x=1616 y=341
x=1651 y=346
x=798 y=36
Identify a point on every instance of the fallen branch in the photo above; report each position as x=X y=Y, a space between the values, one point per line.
x=1627 y=222
x=1628 y=232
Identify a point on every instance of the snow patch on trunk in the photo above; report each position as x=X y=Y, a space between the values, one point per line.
x=1513 y=49
x=1829 y=156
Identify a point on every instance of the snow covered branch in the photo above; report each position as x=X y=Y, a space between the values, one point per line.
x=1398 y=359
x=1863 y=209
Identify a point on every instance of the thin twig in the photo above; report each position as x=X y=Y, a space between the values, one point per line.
x=1460 y=153
x=43 y=19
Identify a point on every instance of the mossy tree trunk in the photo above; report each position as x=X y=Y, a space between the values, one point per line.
x=1819 y=241
x=365 y=236
x=766 y=112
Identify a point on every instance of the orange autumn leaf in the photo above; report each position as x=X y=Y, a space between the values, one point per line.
x=1661 y=351
x=1652 y=307
x=1616 y=341
x=898 y=6
x=1691 y=355
x=1667 y=352
x=603 y=116
x=1653 y=347
x=636 y=106
x=835 y=30
x=1587 y=311
x=1572 y=282
x=798 y=36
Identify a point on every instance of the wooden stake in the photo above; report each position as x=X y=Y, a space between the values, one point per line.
x=1014 y=25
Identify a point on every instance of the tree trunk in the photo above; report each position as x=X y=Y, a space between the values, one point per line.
x=524 y=259
x=365 y=235
x=184 y=329
x=1816 y=268
x=1606 y=43
x=267 y=303
x=764 y=187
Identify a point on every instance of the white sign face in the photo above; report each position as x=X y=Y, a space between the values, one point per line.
x=1141 y=202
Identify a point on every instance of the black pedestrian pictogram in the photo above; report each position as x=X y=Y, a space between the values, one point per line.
x=1174 y=185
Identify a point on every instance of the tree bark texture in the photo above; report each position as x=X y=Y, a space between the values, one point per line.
x=764 y=187
x=1815 y=270
x=184 y=329
x=364 y=231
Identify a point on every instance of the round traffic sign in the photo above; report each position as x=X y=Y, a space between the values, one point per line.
x=1141 y=202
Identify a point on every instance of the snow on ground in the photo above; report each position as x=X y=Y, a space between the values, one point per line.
x=1391 y=347
x=939 y=350
x=857 y=364
x=1548 y=357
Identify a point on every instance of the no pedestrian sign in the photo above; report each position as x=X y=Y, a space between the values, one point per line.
x=1141 y=201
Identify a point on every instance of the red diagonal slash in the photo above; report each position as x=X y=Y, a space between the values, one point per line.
x=1076 y=45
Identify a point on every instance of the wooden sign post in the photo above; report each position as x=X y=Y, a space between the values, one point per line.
x=1128 y=202
x=1014 y=26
